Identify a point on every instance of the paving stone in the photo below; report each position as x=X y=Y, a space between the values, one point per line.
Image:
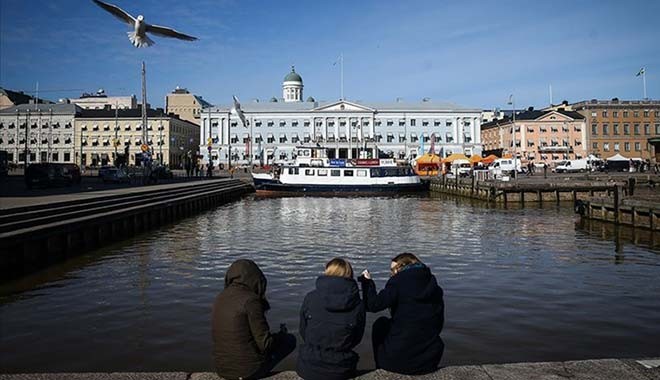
x=286 y=375
x=648 y=373
x=602 y=369
x=524 y=371
x=98 y=376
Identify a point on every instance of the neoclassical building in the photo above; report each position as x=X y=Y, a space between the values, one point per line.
x=349 y=129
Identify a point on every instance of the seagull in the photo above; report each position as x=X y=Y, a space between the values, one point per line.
x=138 y=36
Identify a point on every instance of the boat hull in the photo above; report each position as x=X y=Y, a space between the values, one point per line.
x=266 y=185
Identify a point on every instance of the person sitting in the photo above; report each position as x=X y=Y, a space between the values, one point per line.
x=332 y=319
x=408 y=343
x=244 y=347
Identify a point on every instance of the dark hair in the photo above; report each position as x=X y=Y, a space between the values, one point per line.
x=404 y=259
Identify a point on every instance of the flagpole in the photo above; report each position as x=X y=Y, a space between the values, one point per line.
x=644 y=80
x=342 y=75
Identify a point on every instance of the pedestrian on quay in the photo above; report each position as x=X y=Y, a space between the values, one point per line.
x=332 y=320
x=409 y=342
x=244 y=347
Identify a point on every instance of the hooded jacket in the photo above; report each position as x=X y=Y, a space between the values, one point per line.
x=332 y=321
x=413 y=344
x=241 y=336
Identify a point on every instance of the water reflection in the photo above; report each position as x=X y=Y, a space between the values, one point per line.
x=521 y=284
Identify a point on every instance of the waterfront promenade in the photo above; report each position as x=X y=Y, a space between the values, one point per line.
x=601 y=369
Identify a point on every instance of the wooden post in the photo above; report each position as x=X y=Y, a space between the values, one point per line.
x=616 y=204
x=539 y=194
x=557 y=195
x=633 y=214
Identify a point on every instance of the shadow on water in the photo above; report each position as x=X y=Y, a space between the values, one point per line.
x=620 y=235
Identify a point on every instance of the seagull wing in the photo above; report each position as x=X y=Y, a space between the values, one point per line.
x=116 y=11
x=168 y=32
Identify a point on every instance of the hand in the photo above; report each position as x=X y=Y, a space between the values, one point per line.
x=366 y=274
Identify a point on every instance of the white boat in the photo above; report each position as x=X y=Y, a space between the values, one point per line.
x=313 y=172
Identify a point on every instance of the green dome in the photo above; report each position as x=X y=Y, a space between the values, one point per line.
x=293 y=76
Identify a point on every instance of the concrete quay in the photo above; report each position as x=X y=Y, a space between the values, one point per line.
x=35 y=233
x=601 y=369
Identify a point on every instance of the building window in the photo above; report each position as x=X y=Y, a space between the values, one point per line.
x=436 y=123
x=657 y=129
x=647 y=129
x=594 y=129
x=625 y=113
x=606 y=130
x=390 y=138
x=412 y=122
x=594 y=146
x=449 y=137
x=646 y=113
x=615 y=128
x=390 y=123
x=604 y=113
x=636 y=129
x=606 y=147
x=626 y=129
x=425 y=123
x=615 y=113
x=626 y=146
x=638 y=147
x=635 y=113
x=616 y=147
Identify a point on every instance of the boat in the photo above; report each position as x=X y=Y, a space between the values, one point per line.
x=311 y=171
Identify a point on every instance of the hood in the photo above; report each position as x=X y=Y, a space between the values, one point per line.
x=417 y=281
x=247 y=274
x=338 y=293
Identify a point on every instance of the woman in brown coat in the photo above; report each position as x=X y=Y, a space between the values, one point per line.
x=244 y=347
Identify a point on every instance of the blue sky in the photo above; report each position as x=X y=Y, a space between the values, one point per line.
x=473 y=53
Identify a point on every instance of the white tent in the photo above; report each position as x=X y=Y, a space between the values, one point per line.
x=618 y=157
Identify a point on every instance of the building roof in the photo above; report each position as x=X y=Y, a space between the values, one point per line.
x=202 y=102
x=614 y=102
x=56 y=108
x=293 y=76
x=18 y=97
x=124 y=113
x=531 y=114
x=378 y=106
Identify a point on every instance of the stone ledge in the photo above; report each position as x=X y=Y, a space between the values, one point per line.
x=602 y=369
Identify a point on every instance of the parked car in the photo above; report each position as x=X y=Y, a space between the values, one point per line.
x=51 y=174
x=115 y=175
x=573 y=166
x=104 y=169
x=505 y=166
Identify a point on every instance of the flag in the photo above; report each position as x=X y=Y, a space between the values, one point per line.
x=641 y=72
x=337 y=61
x=238 y=111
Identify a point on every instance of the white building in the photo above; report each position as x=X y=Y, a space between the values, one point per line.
x=349 y=129
x=46 y=131
x=100 y=101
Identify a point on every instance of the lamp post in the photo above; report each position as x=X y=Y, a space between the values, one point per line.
x=114 y=160
x=27 y=126
x=512 y=102
x=50 y=133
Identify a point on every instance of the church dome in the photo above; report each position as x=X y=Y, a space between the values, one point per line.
x=293 y=76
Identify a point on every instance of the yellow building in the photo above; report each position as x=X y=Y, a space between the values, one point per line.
x=188 y=106
x=100 y=136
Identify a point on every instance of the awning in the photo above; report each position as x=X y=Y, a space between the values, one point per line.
x=306 y=134
x=413 y=134
x=246 y=135
x=294 y=135
x=401 y=134
x=424 y=134
x=342 y=135
x=106 y=141
x=270 y=135
x=95 y=141
x=331 y=135
x=106 y=126
x=282 y=135
x=257 y=135
x=390 y=134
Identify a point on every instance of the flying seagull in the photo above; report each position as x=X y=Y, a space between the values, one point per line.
x=138 y=36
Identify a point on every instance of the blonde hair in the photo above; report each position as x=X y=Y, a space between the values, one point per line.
x=339 y=267
x=403 y=260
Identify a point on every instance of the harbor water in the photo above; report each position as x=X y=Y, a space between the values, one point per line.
x=520 y=284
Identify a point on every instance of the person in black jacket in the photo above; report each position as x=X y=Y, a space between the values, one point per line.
x=408 y=343
x=332 y=320
x=244 y=347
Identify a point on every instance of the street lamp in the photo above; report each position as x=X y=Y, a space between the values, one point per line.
x=512 y=102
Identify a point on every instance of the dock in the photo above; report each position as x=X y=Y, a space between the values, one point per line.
x=601 y=369
x=38 y=232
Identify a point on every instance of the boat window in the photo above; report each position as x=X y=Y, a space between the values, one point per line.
x=335 y=172
x=290 y=170
x=348 y=173
x=361 y=173
x=309 y=171
x=323 y=172
x=375 y=172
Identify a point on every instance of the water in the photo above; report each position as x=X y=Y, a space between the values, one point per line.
x=520 y=284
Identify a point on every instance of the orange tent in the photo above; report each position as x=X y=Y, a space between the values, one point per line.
x=489 y=159
x=475 y=158
x=428 y=164
x=454 y=157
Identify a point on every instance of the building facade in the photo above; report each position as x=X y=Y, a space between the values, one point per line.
x=44 y=131
x=101 y=136
x=188 y=106
x=540 y=136
x=627 y=127
x=9 y=98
